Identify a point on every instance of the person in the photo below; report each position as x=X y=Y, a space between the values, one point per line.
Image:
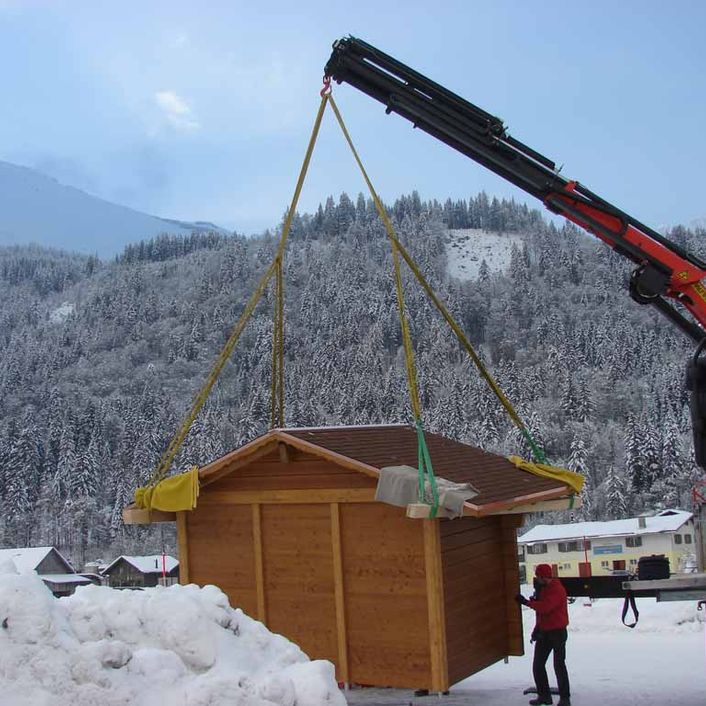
x=550 y=605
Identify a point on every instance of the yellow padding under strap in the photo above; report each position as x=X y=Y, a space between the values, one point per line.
x=573 y=480
x=172 y=494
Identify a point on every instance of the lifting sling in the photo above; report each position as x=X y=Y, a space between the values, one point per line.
x=180 y=492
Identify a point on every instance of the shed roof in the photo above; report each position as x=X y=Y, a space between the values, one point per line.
x=29 y=558
x=150 y=564
x=64 y=578
x=665 y=521
x=369 y=448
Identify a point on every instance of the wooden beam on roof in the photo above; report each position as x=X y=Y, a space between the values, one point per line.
x=422 y=511
x=543 y=506
x=283 y=452
x=133 y=515
x=500 y=507
x=232 y=462
x=284 y=497
x=338 y=459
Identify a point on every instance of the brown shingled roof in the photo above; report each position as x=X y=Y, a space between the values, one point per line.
x=496 y=478
x=370 y=448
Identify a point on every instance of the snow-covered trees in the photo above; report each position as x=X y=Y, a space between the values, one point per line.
x=99 y=361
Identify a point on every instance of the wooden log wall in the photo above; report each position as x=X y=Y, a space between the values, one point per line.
x=384 y=585
x=299 y=543
x=476 y=581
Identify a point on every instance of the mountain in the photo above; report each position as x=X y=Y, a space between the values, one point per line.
x=35 y=208
x=100 y=360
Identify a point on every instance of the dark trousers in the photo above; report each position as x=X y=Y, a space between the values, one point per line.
x=550 y=641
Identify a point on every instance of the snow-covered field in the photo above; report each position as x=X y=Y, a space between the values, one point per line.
x=661 y=662
x=178 y=646
x=467 y=248
x=185 y=646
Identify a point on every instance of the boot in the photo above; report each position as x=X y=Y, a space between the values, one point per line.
x=564 y=701
x=542 y=700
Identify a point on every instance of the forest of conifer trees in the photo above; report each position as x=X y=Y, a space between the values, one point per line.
x=99 y=360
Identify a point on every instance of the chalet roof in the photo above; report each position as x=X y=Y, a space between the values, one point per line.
x=64 y=578
x=150 y=564
x=370 y=448
x=29 y=558
x=665 y=521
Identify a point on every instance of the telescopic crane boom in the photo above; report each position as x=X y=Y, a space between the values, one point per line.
x=664 y=271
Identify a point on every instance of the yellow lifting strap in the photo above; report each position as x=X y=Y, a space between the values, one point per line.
x=426 y=471
x=172 y=494
x=574 y=480
x=463 y=340
x=277 y=386
x=275 y=269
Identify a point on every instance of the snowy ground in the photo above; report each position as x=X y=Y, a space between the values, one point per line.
x=467 y=248
x=185 y=646
x=662 y=661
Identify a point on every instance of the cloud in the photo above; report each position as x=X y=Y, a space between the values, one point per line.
x=176 y=110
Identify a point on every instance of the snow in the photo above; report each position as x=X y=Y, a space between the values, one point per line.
x=666 y=521
x=150 y=564
x=181 y=645
x=468 y=247
x=661 y=662
x=25 y=558
x=61 y=313
x=185 y=646
x=64 y=578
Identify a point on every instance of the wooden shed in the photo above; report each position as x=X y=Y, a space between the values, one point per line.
x=288 y=526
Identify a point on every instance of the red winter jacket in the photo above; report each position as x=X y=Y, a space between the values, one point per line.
x=551 y=608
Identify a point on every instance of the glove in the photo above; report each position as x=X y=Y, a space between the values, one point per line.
x=536 y=634
x=521 y=599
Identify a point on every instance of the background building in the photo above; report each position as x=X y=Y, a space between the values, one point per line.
x=56 y=572
x=142 y=571
x=600 y=548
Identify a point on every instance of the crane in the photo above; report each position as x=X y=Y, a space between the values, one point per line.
x=666 y=276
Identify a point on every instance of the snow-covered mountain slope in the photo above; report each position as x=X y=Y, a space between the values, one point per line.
x=35 y=208
x=467 y=248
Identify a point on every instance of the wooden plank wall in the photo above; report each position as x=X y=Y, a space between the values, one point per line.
x=220 y=551
x=299 y=471
x=508 y=543
x=385 y=599
x=269 y=536
x=475 y=594
x=298 y=576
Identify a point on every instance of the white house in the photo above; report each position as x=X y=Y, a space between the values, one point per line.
x=56 y=572
x=600 y=548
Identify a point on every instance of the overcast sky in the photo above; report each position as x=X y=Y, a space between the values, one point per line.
x=202 y=110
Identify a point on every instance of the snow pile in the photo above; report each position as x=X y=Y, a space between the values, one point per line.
x=181 y=645
x=468 y=247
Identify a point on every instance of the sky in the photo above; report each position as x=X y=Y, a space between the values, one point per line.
x=202 y=110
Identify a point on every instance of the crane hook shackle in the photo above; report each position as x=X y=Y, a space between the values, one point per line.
x=326 y=90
